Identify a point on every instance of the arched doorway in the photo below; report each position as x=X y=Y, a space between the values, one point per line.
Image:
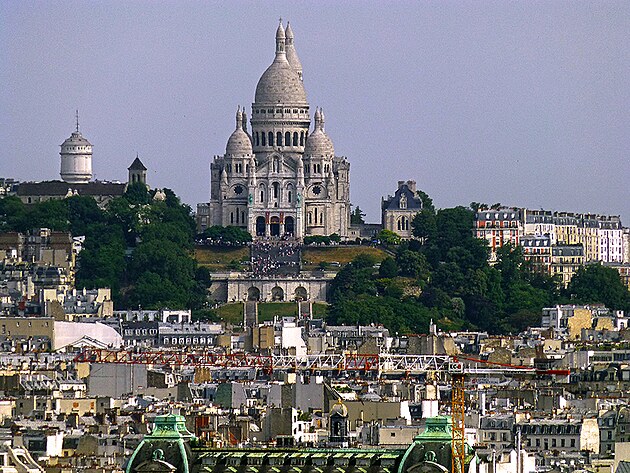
x=277 y=294
x=274 y=227
x=289 y=226
x=253 y=294
x=301 y=294
x=260 y=226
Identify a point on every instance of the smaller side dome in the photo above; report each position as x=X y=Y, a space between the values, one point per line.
x=159 y=195
x=239 y=142
x=318 y=143
x=339 y=409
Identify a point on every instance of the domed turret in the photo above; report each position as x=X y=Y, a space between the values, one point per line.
x=339 y=409
x=318 y=142
x=239 y=143
x=76 y=158
x=280 y=83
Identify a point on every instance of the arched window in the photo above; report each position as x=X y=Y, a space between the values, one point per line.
x=301 y=138
x=242 y=216
x=289 y=196
x=262 y=195
x=264 y=139
x=256 y=140
x=310 y=218
x=295 y=138
x=271 y=138
x=237 y=215
x=276 y=187
x=279 y=138
x=287 y=138
x=232 y=217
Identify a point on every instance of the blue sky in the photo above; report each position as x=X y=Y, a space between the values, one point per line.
x=524 y=103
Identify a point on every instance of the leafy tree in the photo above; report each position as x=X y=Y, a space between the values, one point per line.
x=510 y=263
x=598 y=284
x=424 y=225
x=387 y=237
x=51 y=214
x=427 y=202
x=83 y=212
x=14 y=215
x=357 y=216
x=388 y=268
x=229 y=236
x=455 y=226
x=137 y=193
x=102 y=261
x=413 y=264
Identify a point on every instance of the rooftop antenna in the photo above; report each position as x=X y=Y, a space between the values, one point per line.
x=77 y=120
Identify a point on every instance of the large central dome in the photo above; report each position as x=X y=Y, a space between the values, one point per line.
x=280 y=83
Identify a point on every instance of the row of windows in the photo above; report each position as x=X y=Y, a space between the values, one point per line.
x=237 y=217
x=238 y=168
x=551 y=429
x=17 y=324
x=275 y=192
x=279 y=110
x=187 y=341
x=141 y=331
x=315 y=217
x=279 y=139
x=402 y=223
x=317 y=168
x=554 y=443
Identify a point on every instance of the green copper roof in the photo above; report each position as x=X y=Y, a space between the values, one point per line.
x=437 y=429
x=170 y=426
x=169 y=435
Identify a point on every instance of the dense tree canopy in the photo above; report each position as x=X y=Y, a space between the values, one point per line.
x=138 y=246
x=597 y=284
x=444 y=274
x=229 y=236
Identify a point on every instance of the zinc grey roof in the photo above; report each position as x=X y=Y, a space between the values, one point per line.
x=137 y=165
x=393 y=202
x=623 y=467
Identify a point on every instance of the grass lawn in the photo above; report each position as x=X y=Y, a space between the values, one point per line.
x=312 y=256
x=218 y=258
x=233 y=312
x=267 y=311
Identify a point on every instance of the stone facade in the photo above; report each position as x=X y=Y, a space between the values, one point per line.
x=399 y=210
x=279 y=180
x=234 y=287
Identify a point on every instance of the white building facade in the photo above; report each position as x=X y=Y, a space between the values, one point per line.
x=279 y=180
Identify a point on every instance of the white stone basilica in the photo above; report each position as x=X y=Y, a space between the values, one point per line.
x=280 y=179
